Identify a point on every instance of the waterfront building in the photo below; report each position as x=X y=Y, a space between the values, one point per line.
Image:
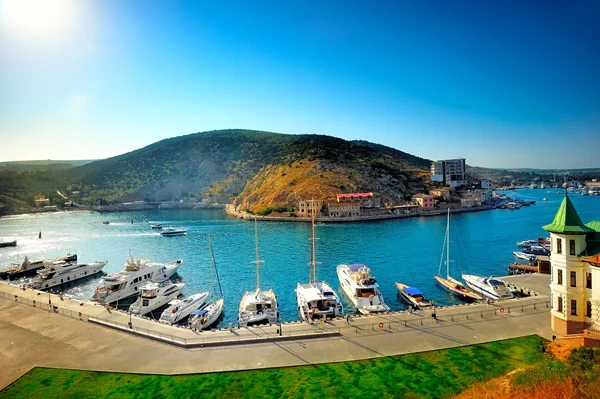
x=366 y=200
x=441 y=192
x=575 y=271
x=342 y=209
x=450 y=172
x=424 y=200
x=308 y=207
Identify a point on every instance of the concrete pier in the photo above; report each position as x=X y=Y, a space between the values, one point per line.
x=72 y=334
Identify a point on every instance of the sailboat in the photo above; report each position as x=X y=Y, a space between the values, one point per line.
x=316 y=300
x=257 y=307
x=207 y=316
x=448 y=283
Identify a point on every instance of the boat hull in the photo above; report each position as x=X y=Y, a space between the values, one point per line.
x=363 y=305
x=478 y=284
x=214 y=311
x=248 y=315
x=310 y=313
x=88 y=270
x=463 y=294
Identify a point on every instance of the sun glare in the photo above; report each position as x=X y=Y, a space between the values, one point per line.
x=37 y=18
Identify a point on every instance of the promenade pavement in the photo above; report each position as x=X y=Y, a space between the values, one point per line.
x=36 y=337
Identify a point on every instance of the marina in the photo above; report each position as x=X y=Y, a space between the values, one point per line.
x=484 y=245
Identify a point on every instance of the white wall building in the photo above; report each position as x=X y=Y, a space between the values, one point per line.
x=575 y=271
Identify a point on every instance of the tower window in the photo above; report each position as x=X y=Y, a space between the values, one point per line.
x=560 y=277
x=559 y=245
x=588 y=309
x=560 y=304
x=588 y=280
x=571 y=247
x=573 y=279
x=574 y=307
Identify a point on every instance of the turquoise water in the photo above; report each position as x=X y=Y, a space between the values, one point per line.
x=406 y=250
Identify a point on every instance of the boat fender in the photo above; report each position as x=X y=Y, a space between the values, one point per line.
x=380 y=325
x=97 y=290
x=501 y=310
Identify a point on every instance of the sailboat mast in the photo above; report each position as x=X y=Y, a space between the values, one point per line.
x=257 y=261
x=448 y=245
x=214 y=263
x=314 y=252
x=212 y=283
x=312 y=247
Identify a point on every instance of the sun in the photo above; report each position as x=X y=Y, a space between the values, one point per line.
x=37 y=18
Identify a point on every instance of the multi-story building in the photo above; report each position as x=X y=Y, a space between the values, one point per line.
x=342 y=209
x=309 y=207
x=575 y=271
x=441 y=192
x=450 y=172
x=424 y=200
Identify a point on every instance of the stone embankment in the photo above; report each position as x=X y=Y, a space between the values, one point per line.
x=232 y=211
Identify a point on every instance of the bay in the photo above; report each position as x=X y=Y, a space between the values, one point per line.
x=405 y=250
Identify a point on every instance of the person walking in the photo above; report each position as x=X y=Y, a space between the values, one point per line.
x=347 y=319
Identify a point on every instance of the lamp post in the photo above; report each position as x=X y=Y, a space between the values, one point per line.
x=130 y=325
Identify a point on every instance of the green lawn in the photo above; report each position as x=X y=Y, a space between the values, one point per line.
x=424 y=375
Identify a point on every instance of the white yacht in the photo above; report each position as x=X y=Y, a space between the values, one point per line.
x=362 y=288
x=490 y=287
x=172 y=231
x=124 y=284
x=316 y=300
x=179 y=309
x=257 y=307
x=154 y=295
x=207 y=316
x=62 y=272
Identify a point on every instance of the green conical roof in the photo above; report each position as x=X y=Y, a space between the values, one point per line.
x=594 y=225
x=567 y=220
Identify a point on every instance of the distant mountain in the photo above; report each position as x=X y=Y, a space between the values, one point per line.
x=253 y=168
x=42 y=165
x=526 y=176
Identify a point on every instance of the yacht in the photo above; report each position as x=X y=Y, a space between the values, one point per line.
x=172 y=231
x=60 y=272
x=28 y=267
x=316 y=300
x=524 y=256
x=362 y=288
x=259 y=306
x=179 y=309
x=490 y=287
x=156 y=226
x=155 y=294
x=124 y=284
x=413 y=296
x=207 y=316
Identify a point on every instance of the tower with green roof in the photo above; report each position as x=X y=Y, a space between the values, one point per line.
x=575 y=281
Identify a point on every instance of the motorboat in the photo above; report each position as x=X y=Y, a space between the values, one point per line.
x=172 y=231
x=490 y=287
x=536 y=250
x=361 y=288
x=316 y=300
x=204 y=318
x=526 y=243
x=413 y=296
x=61 y=272
x=179 y=309
x=156 y=226
x=155 y=294
x=449 y=283
x=522 y=255
x=208 y=316
x=126 y=283
x=28 y=267
x=258 y=306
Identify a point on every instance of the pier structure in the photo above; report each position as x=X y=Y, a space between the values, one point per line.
x=41 y=329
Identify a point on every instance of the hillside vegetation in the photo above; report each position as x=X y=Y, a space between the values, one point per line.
x=254 y=169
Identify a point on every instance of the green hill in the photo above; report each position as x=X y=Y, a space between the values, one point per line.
x=254 y=168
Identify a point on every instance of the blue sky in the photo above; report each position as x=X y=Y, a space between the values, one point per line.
x=501 y=83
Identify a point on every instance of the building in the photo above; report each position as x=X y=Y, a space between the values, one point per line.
x=41 y=201
x=441 y=192
x=307 y=208
x=575 y=271
x=424 y=200
x=367 y=200
x=342 y=209
x=450 y=172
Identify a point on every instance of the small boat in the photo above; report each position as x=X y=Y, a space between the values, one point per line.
x=29 y=268
x=545 y=199
x=179 y=309
x=536 y=250
x=413 y=296
x=316 y=300
x=259 y=306
x=157 y=226
x=362 y=288
x=490 y=287
x=526 y=243
x=106 y=222
x=138 y=272
x=521 y=255
x=154 y=295
x=172 y=231
x=62 y=272
x=8 y=243
x=207 y=316
x=448 y=283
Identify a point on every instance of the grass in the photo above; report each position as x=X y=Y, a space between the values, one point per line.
x=436 y=374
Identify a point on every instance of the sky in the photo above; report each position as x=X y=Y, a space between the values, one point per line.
x=504 y=84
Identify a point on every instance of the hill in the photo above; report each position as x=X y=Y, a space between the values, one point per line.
x=41 y=165
x=253 y=168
